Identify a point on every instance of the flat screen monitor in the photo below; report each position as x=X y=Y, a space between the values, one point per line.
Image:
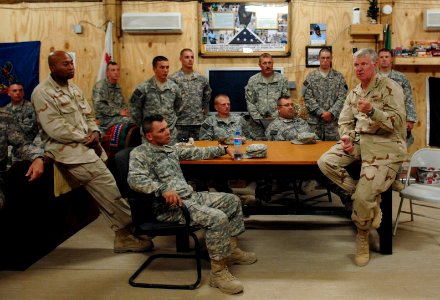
x=232 y=81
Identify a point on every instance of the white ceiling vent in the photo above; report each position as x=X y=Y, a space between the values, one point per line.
x=431 y=20
x=152 y=22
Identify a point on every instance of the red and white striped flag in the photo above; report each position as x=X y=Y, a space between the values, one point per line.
x=107 y=55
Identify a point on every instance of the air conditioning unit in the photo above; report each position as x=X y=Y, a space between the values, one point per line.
x=168 y=22
x=431 y=20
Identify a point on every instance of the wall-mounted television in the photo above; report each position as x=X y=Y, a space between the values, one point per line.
x=232 y=81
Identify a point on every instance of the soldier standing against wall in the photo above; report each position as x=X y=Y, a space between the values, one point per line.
x=385 y=69
x=109 y=103
x=262 y=92
x=70 y=134
x=196 y=94
x=372 y=129
x=157 y=95
x=324 y=93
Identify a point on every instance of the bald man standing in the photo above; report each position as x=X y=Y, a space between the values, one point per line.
x=70 y=135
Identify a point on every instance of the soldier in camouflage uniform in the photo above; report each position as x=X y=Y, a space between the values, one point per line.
x=261 y=93
x=223 y=125
x=157 y=95
x=109 y=103
x=155 y=168
x=385 y=69
x=10 y=134
x=23 y=113
x=372 y=129
x=71 y=139
x=287 y=125
x=196 y=94
x=324 y=92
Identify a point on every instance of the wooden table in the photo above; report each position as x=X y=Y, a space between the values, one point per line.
x=284 y=160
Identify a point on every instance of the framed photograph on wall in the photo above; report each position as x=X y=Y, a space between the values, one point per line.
x=312 y=55
x=244 y=28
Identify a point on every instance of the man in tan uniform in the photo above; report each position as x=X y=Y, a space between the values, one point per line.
x=70 y=135
x=372 y=129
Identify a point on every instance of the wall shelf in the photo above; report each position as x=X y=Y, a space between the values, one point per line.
x=417 y=61
x=367 y=30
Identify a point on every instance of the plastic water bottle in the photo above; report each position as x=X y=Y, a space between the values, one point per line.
x=238 y=154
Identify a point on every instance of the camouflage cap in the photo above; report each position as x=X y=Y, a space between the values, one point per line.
x=256 y=150
x=305 y=138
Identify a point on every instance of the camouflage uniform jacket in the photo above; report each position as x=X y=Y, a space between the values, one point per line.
x=156 y=169
x=66 y=118
x=261 y=97
x=324 y=94
x=400 y=78
x=196 y=94
x=108 y=101
x=215 y=128
x=282 y=129
x=10 y=134
x=25 y=118
x=381 y=136
x=148 y=99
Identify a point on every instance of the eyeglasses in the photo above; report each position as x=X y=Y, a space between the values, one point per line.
x=286 y=105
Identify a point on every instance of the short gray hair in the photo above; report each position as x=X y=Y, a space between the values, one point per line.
x=366 y=52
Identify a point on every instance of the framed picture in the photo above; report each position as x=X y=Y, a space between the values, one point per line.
x=244 y=28
x=312 y=55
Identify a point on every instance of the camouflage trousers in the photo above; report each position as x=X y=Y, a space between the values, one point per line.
x=219 y=214
x=184 y=132
x=326 y=131
x=100 y=183
x=373 y=180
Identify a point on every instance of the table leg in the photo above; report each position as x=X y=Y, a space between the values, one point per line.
x=386 y=227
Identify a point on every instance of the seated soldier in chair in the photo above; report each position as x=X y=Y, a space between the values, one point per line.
x=154 y=168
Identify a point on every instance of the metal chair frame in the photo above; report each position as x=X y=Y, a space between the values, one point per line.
x=416 y=192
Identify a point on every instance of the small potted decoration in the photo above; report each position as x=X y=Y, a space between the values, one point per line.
x=373 y=11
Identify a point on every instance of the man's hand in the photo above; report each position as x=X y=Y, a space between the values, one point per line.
x=92 y=139
x=409 y=125
x=36 y=169
x=230 y=151
x=172 y=198
x=327 y=116
x=364 y=106
x=124 y=112
x=347 y=146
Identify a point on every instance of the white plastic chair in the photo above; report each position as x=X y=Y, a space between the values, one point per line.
x=426 y=157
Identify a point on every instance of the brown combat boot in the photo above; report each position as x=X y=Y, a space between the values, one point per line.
x=127 y=242
x=240 y=257
x=222 y=279
x=362 y=247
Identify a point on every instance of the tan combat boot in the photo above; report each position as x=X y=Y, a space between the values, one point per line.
x=240 y=257
x=362 y=247
x=127 y=242
x=222 y=279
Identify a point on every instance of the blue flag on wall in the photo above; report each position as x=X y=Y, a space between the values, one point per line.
x=19 y=62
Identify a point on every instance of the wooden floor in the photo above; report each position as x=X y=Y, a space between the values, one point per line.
x=300 y=257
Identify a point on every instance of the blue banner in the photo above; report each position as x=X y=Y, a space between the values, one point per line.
x=19 y=62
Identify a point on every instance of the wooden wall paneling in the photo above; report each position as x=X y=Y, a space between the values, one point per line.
x=51 y=23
